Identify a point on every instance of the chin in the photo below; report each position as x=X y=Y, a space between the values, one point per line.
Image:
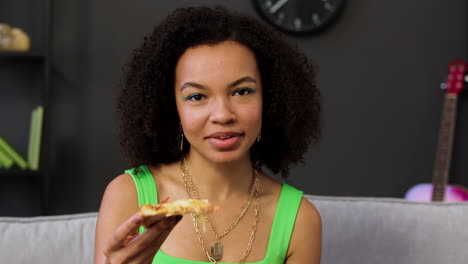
x=225 y=156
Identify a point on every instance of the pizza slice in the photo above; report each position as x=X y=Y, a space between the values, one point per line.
x=153 y=213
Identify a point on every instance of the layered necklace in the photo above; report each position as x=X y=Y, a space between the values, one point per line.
x=217 y=247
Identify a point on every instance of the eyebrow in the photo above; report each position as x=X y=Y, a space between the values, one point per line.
x=233 y=84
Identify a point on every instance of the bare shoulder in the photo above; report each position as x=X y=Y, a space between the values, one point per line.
x=119 y=202
x=306 y=241
x=120 y=193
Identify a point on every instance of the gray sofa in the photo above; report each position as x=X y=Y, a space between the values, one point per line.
x=355 y=230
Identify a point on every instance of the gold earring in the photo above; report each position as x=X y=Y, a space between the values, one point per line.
x=259 y=136
x=181 y=139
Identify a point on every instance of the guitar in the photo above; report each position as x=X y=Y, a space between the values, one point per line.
x=439 y=190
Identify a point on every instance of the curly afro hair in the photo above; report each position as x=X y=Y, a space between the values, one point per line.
x=149 y=122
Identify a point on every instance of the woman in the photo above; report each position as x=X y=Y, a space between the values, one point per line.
x=209 y=98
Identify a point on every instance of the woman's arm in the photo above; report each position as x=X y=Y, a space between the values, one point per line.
x=306 y=240
x=117 y=239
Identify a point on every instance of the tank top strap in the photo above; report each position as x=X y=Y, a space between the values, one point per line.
x=283 y=223
x=145 y=185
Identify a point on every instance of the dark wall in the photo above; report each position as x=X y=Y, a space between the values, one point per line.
x=380 y=69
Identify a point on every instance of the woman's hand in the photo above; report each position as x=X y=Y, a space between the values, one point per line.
x=126 y=246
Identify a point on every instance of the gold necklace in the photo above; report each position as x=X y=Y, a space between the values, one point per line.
x=217 y=248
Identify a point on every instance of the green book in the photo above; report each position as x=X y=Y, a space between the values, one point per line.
x=38 y=117
x=9 y=151
x=5 y=161
x=32 y=132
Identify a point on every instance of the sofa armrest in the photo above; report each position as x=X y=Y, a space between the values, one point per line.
x=52 y=239
x=386 y=230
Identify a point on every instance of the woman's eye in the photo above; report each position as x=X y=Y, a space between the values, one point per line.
x=243 y=91
x=194 y=97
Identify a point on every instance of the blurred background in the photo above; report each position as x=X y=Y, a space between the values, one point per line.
x=381 y=66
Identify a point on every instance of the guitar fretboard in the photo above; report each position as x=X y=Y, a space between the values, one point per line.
x=444 y=148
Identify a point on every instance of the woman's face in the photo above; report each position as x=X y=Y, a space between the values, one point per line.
x=219 y=99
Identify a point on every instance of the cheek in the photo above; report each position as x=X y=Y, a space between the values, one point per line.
x=186 y=116
x=253 y=115
x=191 y=120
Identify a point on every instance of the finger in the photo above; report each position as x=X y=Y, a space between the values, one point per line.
x=167 y=222
x=130 y=237
x=153 y=219
x=165 y=233
x=124 y=230
x=148 y=255
x=152 y=232
x=162 y=231
x=143 y=246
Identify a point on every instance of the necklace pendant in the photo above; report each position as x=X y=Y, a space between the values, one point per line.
x=217 y=250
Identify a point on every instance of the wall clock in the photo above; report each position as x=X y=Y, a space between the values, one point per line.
x=299 y=16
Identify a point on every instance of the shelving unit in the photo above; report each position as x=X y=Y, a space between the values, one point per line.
x=24 y=84
x=21 y=56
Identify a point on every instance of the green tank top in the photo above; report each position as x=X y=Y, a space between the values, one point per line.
x=280 y=234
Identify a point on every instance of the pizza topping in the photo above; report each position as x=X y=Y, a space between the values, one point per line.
x=153 y=213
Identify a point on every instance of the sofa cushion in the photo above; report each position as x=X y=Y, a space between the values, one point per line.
x=385 y=230
x=355 y=231
x=51 y=239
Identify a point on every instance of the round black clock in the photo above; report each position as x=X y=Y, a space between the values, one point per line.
x=299 y=16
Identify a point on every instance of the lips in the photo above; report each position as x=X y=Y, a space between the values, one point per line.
x=224 y=135
x=224 y=140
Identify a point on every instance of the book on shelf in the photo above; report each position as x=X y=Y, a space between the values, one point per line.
x=31 y=138
x=35 y=137
x=5 y=161
x=10 y=157
x=11 y=153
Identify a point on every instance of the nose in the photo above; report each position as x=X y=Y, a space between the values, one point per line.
x=222 y=112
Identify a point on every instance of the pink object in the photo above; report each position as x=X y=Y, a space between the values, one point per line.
x=423 y=193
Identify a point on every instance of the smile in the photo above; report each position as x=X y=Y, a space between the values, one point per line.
x=224 y=140
x=225 y=135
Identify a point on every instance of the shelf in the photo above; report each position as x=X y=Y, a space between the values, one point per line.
x=20 y=194
x=28 y=78
x=21 y=56
x=18 y=173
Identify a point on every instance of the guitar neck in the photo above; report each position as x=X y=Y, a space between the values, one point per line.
x=444 y=148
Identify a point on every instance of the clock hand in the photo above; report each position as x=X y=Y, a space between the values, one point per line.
x=277 y=6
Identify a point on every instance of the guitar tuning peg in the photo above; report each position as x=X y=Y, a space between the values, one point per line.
x=443 y=86
x=446 y=79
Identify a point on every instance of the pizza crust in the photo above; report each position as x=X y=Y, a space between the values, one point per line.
x=153 y=213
